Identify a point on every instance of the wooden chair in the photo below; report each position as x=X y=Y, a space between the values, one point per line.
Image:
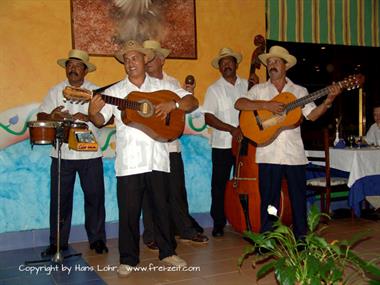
x=319 y=162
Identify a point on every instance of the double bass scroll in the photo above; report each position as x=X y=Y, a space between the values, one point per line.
x=253 y=78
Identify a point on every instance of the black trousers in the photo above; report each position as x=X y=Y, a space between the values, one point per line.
x=222 y=162
x=130 y=193
x=90 y=173
x=179 y=208
x=270 y=176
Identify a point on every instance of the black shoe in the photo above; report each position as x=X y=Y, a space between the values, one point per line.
x=218 y=232
x=195 y=225
x=196 y=239
x=152 y=245
x=99 y=246
x=198 y=228
x=52 y=249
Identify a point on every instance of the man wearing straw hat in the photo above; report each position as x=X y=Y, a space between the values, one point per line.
x=186 y=226
x=142 y=164
x=221 y=115
x=88 y=164
x=285 y=156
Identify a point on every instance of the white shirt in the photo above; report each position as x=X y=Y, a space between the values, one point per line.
x=373 y=135
x=288 y=147
x=136 y=152
x=174 y=146
x=220 y=100
x=171 y=79
x=54 y=99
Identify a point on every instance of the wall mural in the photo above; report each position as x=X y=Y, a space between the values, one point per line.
x=24 y=172
x=14 y=127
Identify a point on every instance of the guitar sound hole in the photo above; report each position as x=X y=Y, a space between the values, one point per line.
x=146 y=109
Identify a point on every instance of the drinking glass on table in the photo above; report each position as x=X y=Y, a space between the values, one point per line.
x=351 y=140
x=359 y=141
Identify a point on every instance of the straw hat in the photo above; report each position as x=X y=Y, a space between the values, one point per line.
x=224 y=52
x=277 y=51
x=134 y=46
x=156 y=47
x=80 y=55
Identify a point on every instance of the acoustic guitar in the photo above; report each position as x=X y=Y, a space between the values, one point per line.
x=137 y=111
x=262 y=126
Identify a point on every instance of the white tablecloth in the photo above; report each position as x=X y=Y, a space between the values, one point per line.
x=357 y=162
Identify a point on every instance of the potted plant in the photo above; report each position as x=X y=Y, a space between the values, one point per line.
x=311 y=260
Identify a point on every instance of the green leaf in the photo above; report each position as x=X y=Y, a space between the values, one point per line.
x=367 y=266
x=286 y=275
x=283 y=229
x=330 y=272
x=320 y=242
x=265 y=269
x=315 y=280
x=313 y=217
x=255 y=237
x=312 y=265
x=248 y=250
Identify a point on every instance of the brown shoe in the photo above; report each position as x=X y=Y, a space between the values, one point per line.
x=174 y=260
x=152 y=245
x=198 y=238
x=124 y=270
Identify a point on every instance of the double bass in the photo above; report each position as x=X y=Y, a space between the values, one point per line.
x=242 y=195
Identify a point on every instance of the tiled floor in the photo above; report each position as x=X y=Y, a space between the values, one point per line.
x=13 y=269
x=215 y=263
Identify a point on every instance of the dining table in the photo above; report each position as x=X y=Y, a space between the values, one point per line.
x=362 y=167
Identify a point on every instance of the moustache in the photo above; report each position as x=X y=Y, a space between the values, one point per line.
x=273 y=69
x=73 y=73
x=227 y=68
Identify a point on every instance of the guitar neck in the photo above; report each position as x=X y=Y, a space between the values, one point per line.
x=308 y=98
x=122 y=103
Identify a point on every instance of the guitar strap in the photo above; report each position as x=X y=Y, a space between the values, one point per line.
x=101 y=89
x=258 y=121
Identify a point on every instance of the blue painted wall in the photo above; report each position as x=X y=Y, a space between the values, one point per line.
x=25 y=180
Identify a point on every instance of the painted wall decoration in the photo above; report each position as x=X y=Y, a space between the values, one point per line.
x=14 y=127
x=101 y=27
x=25 y=172
x=14 y=124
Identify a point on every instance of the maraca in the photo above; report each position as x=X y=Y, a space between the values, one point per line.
x=190 y=79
